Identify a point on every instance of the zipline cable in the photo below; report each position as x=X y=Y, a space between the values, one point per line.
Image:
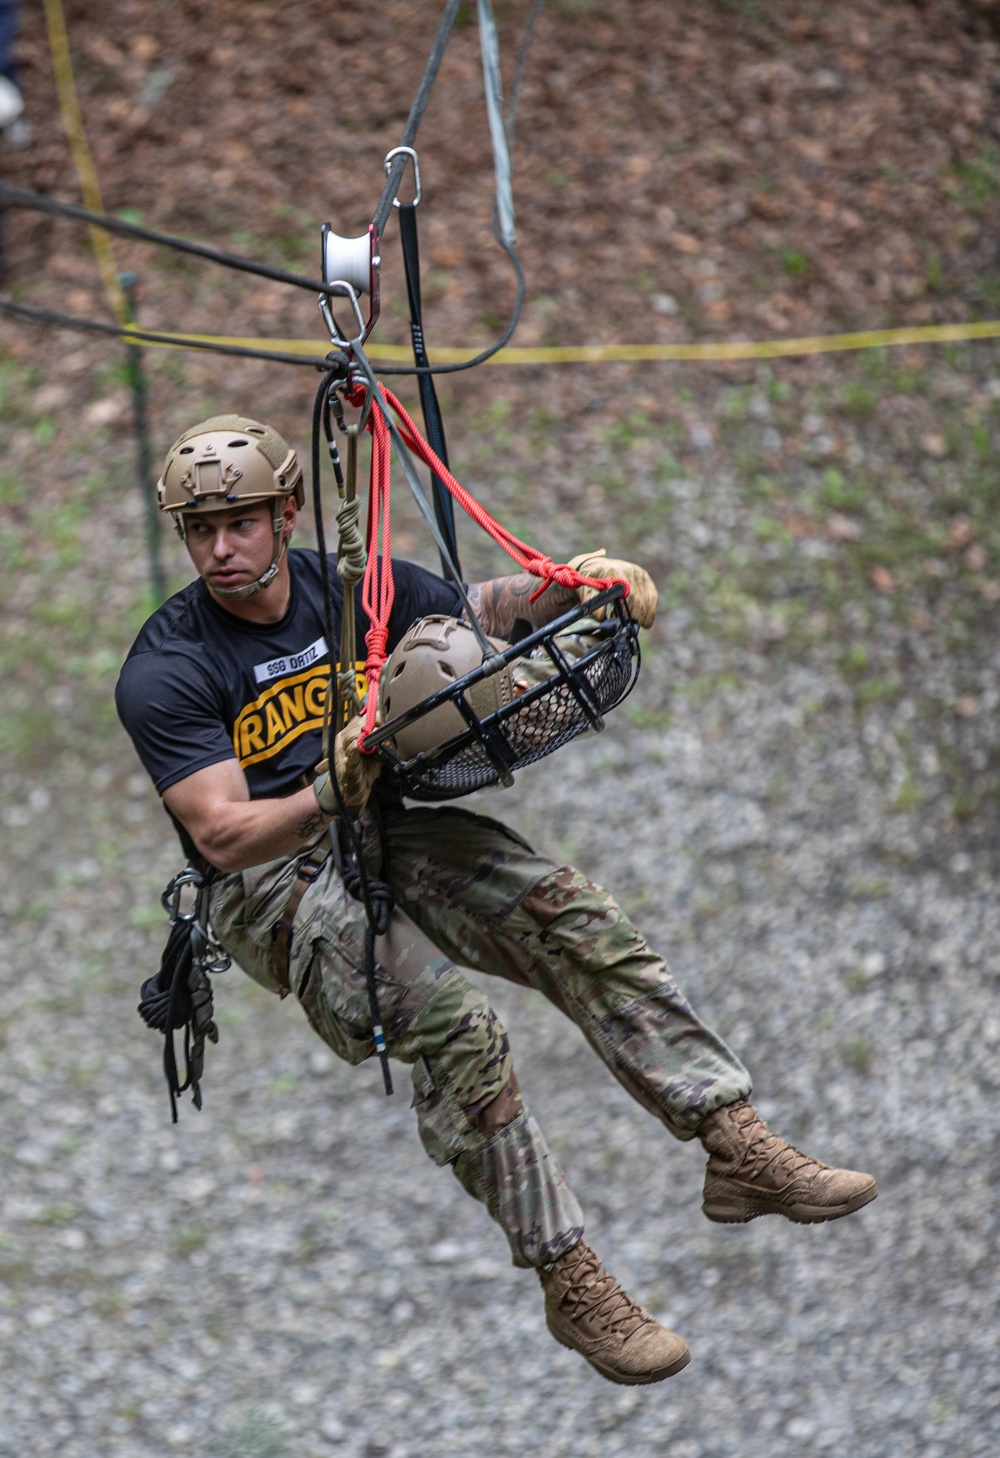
x=489 y=46
x=451 y=359
x=502 y=225
x=21 y=197
x=398 y=165
x=510 y=120
x=144 y=336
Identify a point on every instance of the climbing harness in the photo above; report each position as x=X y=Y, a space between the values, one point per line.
x=180 y=994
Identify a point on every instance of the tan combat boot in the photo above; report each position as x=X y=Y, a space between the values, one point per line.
x=752 y=1172
x=587 y=1311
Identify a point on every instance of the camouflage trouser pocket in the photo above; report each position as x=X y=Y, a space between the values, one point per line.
x=435 y=1121
x=241 y=939
x=351 y=1041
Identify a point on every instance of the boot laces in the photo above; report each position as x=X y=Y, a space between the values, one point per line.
x=765 y=1150
x=595 y=1293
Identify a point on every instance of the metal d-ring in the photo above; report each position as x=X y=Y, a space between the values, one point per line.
x=411 y=153
x=345 y=290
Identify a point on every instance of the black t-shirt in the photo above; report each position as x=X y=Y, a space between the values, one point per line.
x=200 y=685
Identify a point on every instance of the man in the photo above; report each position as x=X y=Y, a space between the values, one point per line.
x=223 y=693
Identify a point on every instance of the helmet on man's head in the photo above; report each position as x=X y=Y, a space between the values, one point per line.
x=228 y=461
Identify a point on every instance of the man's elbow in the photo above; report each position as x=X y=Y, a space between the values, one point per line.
x=223 y=854
x=220 y=847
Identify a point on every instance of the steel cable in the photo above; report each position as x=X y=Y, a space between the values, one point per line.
x=398 y=165
x=21 y=197
x=146 y=336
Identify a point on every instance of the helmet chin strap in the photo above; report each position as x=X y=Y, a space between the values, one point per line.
x=240 y=594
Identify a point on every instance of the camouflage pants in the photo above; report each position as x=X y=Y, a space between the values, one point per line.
x=470 y=892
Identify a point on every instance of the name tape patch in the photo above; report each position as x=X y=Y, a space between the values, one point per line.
x=294 y=663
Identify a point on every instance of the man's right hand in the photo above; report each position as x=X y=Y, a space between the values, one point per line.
x=356 y=772
x=643 y=597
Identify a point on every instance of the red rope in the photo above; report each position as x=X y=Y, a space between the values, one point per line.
x=377 y=588
x=528 y=558
x=378 y=591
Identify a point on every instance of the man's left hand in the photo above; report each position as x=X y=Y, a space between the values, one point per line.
x=643 y=597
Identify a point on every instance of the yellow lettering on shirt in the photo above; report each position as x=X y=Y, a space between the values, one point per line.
x=251 y=735
x=292 y=706
x=289 y=707
x=315 y=697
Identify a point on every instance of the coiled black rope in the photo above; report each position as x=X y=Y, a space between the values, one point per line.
x=179 y=995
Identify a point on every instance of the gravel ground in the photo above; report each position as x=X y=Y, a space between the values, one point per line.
x=286 y=1274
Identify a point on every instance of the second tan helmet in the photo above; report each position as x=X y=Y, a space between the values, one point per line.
x=226 y=461
x=431 y=656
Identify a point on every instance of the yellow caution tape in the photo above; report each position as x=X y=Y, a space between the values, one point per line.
x=633 y=353
x=69 y=105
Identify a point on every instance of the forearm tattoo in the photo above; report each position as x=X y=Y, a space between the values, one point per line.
x=501 y=602
x=311 y=824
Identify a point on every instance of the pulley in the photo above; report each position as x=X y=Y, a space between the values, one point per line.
x=355 y=263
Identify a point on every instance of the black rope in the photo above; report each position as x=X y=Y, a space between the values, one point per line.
x=510 y=121
x=146 y=336
x=21 y=197
x=398 y=164
x=478 y=359
x=373 y=893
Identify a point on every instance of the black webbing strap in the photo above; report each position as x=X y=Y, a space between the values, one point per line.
x=444 y=507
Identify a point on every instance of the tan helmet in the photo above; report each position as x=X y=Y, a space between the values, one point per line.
x=431 y=656
x=223 y=462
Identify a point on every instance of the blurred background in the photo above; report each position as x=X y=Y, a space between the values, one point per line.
x=799 y=802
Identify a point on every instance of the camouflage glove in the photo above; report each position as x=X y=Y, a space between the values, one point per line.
x=641 y=601
x=356 y=772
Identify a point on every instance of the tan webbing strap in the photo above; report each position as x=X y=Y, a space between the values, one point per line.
x=282 y=931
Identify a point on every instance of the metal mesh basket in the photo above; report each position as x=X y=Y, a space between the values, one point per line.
x=578 y=693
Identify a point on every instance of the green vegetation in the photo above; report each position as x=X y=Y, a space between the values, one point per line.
x=796 y=263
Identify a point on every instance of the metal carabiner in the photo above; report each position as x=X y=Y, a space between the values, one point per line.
x=170 y=899
x=411 y=153
x=343 y=290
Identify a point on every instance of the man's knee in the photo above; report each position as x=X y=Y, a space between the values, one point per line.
x=465 y=1088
